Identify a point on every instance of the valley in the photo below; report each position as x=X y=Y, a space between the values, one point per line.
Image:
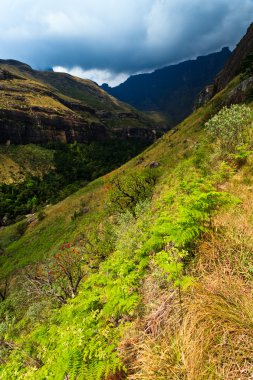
x=125 y=248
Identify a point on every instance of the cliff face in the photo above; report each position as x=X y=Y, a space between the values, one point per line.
x=19 y=127
x=233 y=66
x=40 y=107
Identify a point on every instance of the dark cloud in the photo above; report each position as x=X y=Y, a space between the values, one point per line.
x=118 y=37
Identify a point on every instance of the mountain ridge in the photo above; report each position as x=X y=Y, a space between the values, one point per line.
x=173 y=89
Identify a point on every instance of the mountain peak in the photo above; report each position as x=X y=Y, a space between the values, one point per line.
x=233 y=65
x=13 y=62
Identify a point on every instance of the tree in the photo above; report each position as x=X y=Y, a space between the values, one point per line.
x=128 y=190
x=60 y=278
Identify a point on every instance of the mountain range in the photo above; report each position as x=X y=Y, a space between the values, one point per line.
x=171 y=90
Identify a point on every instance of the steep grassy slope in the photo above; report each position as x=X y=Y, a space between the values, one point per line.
x=165 y=243
x=167 y=152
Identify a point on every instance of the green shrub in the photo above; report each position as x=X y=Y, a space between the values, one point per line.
x=229 y=126
x=241 y=155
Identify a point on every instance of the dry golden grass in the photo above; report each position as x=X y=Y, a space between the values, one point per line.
x=151 y=350
x=230 y=246
x=215 y=339
x=159 y=359
x=217 y=332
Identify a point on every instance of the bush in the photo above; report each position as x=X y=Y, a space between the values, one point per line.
x=128 y=191
x=41 y=215
x=230 y=127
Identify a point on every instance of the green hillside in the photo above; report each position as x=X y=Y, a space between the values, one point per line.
x=145 y=273
x=65 y=84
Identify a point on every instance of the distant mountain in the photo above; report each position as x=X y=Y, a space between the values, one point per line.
x=173 y=89
x=44 y=106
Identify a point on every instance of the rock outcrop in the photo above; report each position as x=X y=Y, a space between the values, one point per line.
x=204 y=96
x=232 y=68
x=241 y=93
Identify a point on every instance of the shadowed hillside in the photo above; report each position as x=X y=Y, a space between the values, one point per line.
x=171 y=90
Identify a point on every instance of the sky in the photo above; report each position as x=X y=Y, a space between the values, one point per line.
x=108 y=40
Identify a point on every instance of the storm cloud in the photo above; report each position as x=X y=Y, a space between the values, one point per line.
x=110 y=39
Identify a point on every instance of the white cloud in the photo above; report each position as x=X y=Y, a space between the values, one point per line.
x=98 y=76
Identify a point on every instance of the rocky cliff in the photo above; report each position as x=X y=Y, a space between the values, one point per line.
x=233 y=66
x=240 y=62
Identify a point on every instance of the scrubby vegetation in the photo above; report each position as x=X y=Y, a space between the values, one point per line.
x=153 y=280
x=230 y=127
